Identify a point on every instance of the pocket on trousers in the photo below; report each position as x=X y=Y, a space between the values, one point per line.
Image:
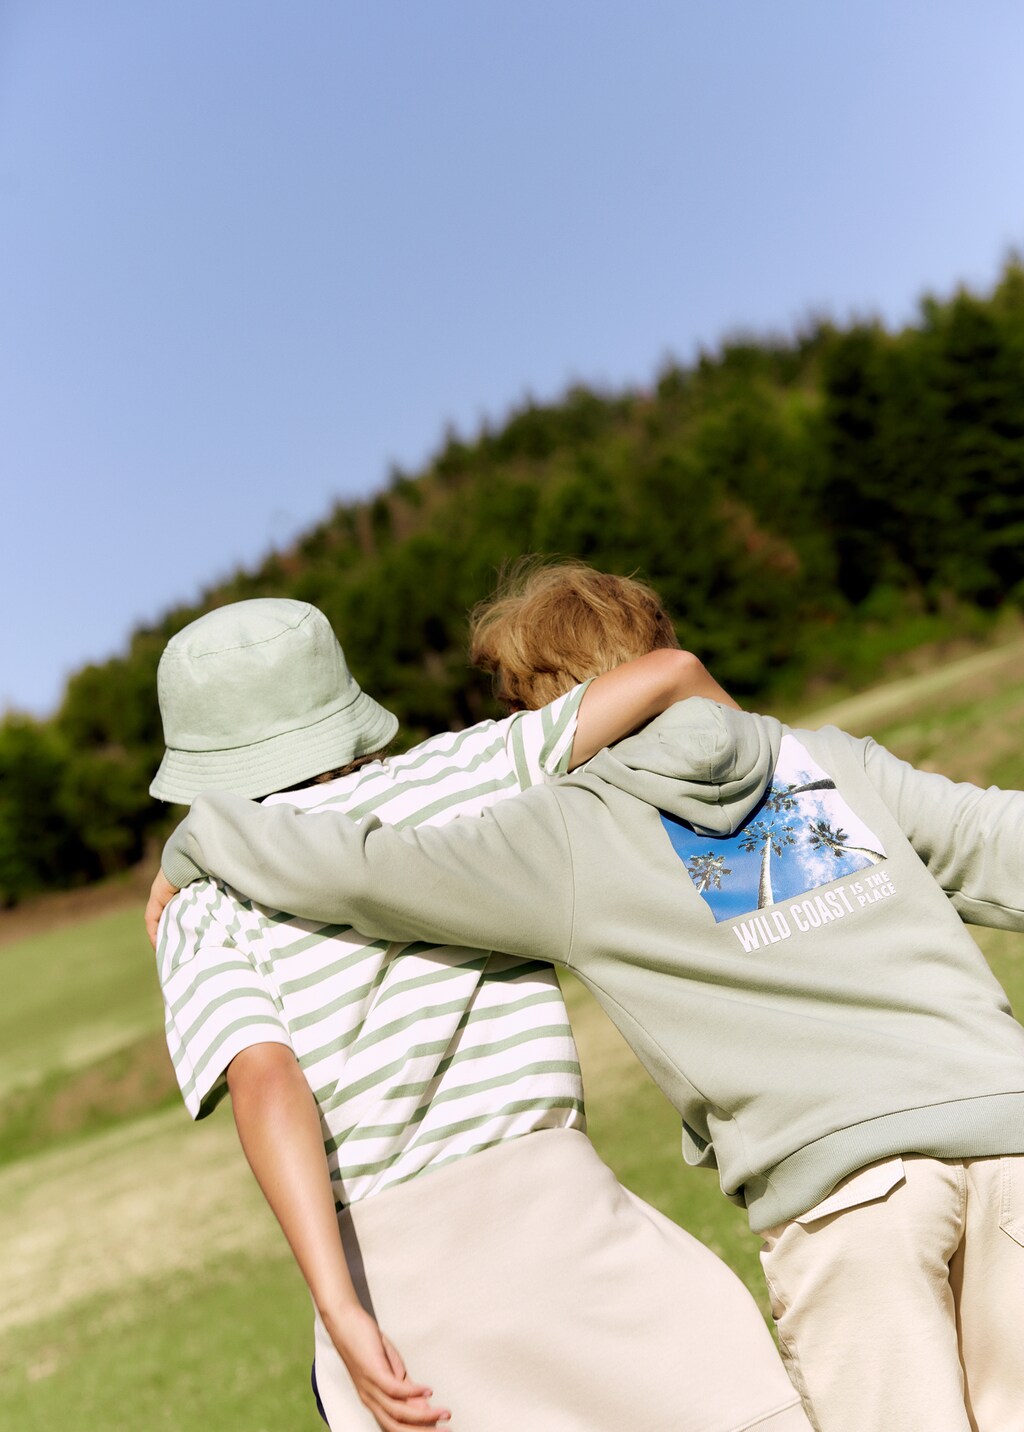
x=1011 y=1212
x=865 y=1186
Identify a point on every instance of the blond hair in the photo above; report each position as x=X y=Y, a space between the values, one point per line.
x=550 y=624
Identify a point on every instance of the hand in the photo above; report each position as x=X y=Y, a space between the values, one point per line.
x=161 y=892
x=379 y=1376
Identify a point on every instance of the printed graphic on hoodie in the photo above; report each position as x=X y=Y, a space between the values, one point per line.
x=803 y=835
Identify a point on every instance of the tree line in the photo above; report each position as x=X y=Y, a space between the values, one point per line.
x=803 y=504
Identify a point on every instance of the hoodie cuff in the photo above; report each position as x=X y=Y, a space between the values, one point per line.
x=179 y=867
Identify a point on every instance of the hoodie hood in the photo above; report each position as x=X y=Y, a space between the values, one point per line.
x=706 y=764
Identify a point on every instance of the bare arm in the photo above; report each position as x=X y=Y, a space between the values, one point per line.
x=620 y=701
x=279 y=1129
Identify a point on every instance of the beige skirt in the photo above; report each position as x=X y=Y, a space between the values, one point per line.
x=529 y=1289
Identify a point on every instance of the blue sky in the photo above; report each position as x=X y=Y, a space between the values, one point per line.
x=255 y=251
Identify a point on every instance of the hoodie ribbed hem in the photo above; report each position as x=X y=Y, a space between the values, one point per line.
x=982 y=1127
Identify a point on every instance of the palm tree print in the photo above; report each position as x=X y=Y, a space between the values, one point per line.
x=771 y=839
x=706 y=871
x=800 y=836
x=823 y=836
x=783 y=798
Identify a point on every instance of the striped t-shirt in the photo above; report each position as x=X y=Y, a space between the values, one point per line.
x=416 y=1054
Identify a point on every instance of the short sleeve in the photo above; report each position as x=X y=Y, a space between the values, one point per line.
x=539 y=743
x=216 y=1000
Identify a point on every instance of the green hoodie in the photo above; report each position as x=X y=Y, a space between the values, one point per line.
x=773 y=918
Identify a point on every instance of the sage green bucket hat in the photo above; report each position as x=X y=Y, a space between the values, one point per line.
x=257 y=696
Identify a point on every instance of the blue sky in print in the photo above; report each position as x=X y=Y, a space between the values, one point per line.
x=802 y=836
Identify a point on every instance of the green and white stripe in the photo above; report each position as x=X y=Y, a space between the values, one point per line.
x=417 y=1054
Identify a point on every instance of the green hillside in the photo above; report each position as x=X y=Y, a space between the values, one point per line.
x=807 y=506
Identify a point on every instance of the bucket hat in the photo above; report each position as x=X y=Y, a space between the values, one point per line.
x=257 y=696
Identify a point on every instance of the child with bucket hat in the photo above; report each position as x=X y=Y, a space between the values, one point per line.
x=425 y=1102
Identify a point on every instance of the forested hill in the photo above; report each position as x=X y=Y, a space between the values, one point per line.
x=801 y=505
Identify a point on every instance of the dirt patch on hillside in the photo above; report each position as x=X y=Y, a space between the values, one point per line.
x=980 y=673
x=155 y=1197
x=130 y=1082
x=68 y=907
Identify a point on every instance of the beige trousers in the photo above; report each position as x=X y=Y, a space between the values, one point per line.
x=899 y=1300
x=529 y=1289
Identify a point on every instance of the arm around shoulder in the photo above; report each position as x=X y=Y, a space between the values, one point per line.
x=500 y=880
x=618 y=702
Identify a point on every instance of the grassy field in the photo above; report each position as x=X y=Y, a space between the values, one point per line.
x=94 y=977
x=145 y=1283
